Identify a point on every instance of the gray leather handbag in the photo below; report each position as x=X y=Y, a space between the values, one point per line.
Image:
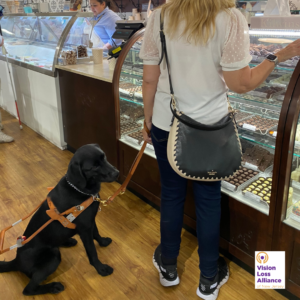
x=197 y=151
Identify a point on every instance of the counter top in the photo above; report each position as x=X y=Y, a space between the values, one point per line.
x=98 y=71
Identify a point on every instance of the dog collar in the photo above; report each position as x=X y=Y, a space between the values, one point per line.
x=78 y=190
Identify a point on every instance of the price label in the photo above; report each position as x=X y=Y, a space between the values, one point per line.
x=295 y=217
x=257 y=94
x=228 y=186
x=250 y=166
x=253 y=197
x=297 y=144
x=249 y=127
x=296 y=185
x=274 y=134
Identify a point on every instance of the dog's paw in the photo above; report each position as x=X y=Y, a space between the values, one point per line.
x=69 y=243
x=105 y=270
x=105 y=241
x=56 y=287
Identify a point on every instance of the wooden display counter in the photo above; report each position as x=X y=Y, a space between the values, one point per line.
x=88 y=108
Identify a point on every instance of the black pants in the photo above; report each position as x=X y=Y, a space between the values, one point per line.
x=208 y=210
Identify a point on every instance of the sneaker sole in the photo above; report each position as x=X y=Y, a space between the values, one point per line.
x=164 y=282
x=215 y=294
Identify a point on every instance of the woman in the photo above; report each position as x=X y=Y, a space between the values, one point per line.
x=208 y=46
x=105 y=20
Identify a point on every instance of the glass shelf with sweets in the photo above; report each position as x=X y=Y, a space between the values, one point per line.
x=257 y=117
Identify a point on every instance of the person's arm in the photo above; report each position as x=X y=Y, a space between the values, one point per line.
x=110 y=29
x=150 y=80
x=246 y=79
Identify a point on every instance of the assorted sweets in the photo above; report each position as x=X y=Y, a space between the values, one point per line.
x=296 y=209
x=82 y=51
x=261 y=187
x=130 y=89
x=70 y=57
x=263 y=50
x=138 y=136
x=241 y=176
x=260 y=123
x=131 y=111
x=270 y=90
x=240 y=115
x=297 y=139
x=290 y=198
x=259 y=157
x=129 y=127
x=296 y=175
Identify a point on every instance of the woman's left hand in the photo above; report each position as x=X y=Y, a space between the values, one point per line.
x=146 y=137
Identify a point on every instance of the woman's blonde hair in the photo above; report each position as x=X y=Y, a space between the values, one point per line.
x=199 y=17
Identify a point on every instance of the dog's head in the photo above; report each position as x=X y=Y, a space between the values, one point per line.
x=89 y=167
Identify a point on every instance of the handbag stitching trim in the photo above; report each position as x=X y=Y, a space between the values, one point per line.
x=173 y=154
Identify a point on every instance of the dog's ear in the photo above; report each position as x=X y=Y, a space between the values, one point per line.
x=75 y=175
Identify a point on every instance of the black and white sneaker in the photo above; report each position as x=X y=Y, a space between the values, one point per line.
x=167 y=274
x=209 y=290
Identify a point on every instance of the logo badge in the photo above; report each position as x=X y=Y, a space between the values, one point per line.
x=270 y=270
x=212 y=173
x=262 y=257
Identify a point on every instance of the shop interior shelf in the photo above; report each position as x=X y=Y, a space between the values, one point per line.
x=131 y=101
x=268 y=104
x=128 y=74
x=279 y=68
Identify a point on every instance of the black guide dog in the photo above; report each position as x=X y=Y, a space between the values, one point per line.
x=41 y=256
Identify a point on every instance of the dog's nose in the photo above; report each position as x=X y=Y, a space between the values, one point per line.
x=115 y=174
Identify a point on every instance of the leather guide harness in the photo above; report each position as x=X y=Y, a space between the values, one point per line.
x=73 y=212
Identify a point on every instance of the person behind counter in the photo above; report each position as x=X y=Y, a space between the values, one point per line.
x=106 y=22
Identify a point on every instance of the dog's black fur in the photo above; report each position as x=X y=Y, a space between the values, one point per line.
x=41 y=256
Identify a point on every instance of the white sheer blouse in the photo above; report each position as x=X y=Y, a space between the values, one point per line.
x=196 y=71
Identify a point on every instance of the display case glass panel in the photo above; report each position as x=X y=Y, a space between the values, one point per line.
x=257 y=116
x=32 y=40
x=81 y=33
x=131 y=99
x=292 y=192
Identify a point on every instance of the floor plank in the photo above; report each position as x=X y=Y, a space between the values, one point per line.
x=31 y=164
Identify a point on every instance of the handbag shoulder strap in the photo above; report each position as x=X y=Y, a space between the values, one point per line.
x=164 y=51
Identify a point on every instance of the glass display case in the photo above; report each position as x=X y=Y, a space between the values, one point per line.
x=131 y=99
x=257 y=116
x=79 y=33
x=34 y=41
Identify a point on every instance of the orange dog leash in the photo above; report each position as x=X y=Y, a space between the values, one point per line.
x=73 y=212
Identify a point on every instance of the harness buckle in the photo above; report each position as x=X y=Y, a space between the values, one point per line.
x=71 y=217
x=79 y=207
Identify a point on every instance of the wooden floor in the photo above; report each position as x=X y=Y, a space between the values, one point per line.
x=31 y=164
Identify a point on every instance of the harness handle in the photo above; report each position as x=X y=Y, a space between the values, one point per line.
x=2 y=234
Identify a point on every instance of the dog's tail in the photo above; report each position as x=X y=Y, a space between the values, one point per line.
x=8 y=266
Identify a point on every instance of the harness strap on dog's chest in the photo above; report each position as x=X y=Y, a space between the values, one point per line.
x=72 y=213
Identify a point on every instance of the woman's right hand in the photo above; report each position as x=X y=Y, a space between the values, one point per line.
x=293 y=49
